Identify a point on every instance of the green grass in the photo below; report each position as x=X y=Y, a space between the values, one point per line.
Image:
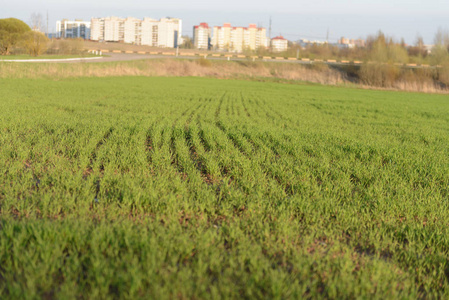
x=45 y=56
x=164 y=188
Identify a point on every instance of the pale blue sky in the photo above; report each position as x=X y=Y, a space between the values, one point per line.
x=293 y=18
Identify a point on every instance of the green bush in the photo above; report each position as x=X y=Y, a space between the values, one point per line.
x=443 y=74
x=204 y=62
x=378 y=74
x=11 y=33
x=35 y=43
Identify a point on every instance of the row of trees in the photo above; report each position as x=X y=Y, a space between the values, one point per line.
x=15 y=33
x=378 y=48
x=383 y=55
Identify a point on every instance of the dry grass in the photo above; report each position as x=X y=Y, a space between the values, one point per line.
x=419 y=86
x=196 y=68
x=171 y=67
x=93 y=45
x=392 y=77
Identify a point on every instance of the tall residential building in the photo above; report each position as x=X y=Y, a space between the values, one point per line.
x=201 y=36
x=73 y=29
x=351 y=43
x=107 y=29
x=132 y=31
x=113 y=29
x=149 y=32
x=237 y=39
x=221 y=39
x=279 y=44
x=169 y=32
x=97 y=29
x=237 y=42
x=163 y=33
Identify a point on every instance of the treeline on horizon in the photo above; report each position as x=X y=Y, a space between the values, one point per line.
x=395 y=51
x=383 y=57
x=383 y=60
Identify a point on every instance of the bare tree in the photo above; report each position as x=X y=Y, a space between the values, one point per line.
x=440 y=51
x=187 y=44
x=37 y=22
x=419 y=49
x=419 y=42
x=442 y=38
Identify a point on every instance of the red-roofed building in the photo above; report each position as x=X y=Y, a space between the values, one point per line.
x=279 y=44
x=201 y=36
x=237 y=39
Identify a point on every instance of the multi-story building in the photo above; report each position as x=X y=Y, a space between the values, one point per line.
x=304 y=43
x=73 y=29
x=107 y=29
x=351 y=43
x=221 y=39
x=113 y=29
x=169 y=32
x=279 y=44
x=132 y=31
x=163 y=33
x=97 y=29
x=237 y=39
x=149 y=32
x=254 y=37
x=237 y=42
x=201 y=36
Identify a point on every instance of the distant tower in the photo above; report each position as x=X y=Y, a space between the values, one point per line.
x=269 y=30
x=48 y=35
x=269 y=35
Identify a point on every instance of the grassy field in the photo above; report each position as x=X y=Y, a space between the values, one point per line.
x=160 y=188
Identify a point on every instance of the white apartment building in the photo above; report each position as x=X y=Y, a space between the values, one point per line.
x=165 y=32
x=169 y=32
x=97 y=29
x=113 y=29
x=279 y=44
x=107 y=29
x=221 y=39
x=132 y=31
x=73 y=29
x=237 y=39
x=149 y=32
x=237 y=42
x=201 y=36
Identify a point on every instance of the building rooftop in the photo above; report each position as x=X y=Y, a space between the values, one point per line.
x=228 y=25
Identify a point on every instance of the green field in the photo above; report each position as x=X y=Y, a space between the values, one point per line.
x=193 y=188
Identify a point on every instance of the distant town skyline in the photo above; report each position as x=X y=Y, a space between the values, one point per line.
x=293 y=19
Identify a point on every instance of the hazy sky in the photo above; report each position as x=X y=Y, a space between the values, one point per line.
x=292 y=18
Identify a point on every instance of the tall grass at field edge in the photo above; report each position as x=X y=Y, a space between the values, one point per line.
x=247 y=70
